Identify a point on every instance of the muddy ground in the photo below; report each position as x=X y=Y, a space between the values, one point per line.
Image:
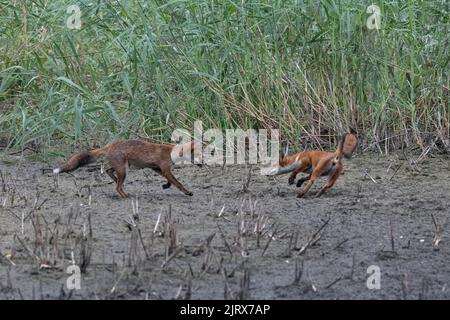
x=231 y=239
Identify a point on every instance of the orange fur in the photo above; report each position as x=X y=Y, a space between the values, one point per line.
x=317 y=164
x=120 y=154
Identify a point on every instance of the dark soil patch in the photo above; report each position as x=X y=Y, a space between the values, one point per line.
x=382 y=218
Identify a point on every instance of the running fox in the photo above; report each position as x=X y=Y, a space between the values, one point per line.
x=316 y=163
x=120 y=154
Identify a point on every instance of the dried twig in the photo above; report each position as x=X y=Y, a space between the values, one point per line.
x=247 y=182
x=271 y=237
x=313 y=238
x=437 y=233
x=298 y=271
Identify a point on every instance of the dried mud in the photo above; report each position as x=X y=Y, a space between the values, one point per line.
x=232 y=239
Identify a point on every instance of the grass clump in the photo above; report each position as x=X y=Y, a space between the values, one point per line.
x=144 y=68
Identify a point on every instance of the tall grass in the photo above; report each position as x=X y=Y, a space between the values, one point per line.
x=143 y=68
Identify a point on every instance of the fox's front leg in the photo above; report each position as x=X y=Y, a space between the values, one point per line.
x=172 y=180
x=165 y=185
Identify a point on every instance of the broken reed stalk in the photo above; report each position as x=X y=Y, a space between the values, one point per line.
x=173 y=255
x=352 y=271
x=423 y=295
x=227 y=293
x=270 y=240
x=313 y=238
x=260 y=225
x=405 y=285
x=392 y=235
x=222 y=235
x=28 y=250
x=132 y=249
x=437 y=232
x=188 y=293
x=170 y=234
x=86 y=247
x=147 y=256
x=38 y=248
x=291 y=243
x=245 y=187
x=298 y=271
x=207 y=260
x=244 y=292
x=333 y=283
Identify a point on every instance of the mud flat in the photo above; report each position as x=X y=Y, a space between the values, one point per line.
x=239 y=236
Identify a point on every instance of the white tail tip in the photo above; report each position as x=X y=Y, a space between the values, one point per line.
x=57 y=170
x=270 y=171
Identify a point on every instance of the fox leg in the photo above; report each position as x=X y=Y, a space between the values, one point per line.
x=118 y=165
x=121 y=174
x=293 y=175
x=301 y=180
x=110 y=173
x=331 y=180
x=172 y=180
x=165 y=185
x=316 y=173
x=311 y=180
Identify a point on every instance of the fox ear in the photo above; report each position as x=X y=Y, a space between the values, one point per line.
x=352 y=131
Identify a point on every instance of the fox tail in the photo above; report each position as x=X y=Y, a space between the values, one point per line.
x=80 y=159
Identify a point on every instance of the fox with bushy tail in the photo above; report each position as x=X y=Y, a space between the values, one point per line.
x=121 y=154
x=316 y=163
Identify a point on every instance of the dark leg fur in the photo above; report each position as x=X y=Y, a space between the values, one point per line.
x=110 y=173
x=301 y=180
x=165 y=185
x=172 y=180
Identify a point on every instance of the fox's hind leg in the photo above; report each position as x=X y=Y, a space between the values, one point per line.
x=118 y=165
x=121 y=174
x=303 y=167
x=301 y=180
x=331 y=180
x=110 y=173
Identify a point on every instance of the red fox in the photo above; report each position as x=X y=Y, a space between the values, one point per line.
x=316 y=163
x=120 y=154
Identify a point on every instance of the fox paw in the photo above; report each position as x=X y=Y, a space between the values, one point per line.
x=291 y=181
x=300 y=195
x=166 y=185
x=189 y=193
x=299 y=183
